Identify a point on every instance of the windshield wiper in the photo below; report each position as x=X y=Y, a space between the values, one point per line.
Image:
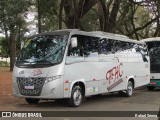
x=23 y=61
x=44 y=62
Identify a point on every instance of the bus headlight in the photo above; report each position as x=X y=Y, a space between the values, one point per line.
x=49 y=79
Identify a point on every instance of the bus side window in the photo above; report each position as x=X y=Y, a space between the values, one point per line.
x=120 y=50
x=105 y=50
x=90 y=48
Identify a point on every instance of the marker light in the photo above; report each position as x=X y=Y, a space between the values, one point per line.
x=49 y=79
x=152 y=83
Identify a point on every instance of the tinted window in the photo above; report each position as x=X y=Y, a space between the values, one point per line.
x=102 y=49
x=154 y=53
x=87 y=48
x=107 y=46
x=104 y=46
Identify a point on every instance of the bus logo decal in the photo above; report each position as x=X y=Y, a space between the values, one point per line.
x=37 y=71
x=114 y=73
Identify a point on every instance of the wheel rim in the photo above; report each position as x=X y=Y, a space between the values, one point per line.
x=77 y=96
x=130 y=89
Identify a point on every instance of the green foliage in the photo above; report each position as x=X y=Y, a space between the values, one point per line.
x=4 y=64
x=141 y=18
x=4 y=49
x=128 y=16
x=121 y=17
x=11 y=13
x=12 y=23
x=91 y=20
x=49 y=14
x=136 y=19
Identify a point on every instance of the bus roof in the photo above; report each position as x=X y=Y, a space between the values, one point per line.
x=96 y=34
x=151 y=39
x=103 y=34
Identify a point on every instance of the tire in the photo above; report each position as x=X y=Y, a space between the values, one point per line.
x=76 y=97
x=32 y=100
x=129 y=91
x=150 y=88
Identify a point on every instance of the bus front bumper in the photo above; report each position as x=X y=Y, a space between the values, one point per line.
x=51 y=90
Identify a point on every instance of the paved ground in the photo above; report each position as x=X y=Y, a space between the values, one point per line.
x=142 y=100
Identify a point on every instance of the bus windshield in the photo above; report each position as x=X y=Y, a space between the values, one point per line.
x=154 y=51
x=43 y=50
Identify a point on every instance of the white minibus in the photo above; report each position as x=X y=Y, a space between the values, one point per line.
x=71 y=64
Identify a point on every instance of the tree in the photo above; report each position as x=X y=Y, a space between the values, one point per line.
x=39 y=16
x=120 y=16
x=60 y=14
x=47 y=14
x=11 y=22
x=4 y=51
x=108 y=13
x=153 y=7
x=75 y=11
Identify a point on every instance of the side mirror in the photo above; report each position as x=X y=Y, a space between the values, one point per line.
x=74 y=42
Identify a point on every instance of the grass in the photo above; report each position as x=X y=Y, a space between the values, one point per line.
x=4 y=64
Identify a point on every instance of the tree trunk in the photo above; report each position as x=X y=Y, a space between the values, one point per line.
x=69 y=12
x=101 y=15
x=12 y=52
x=39 y=16
x=132 y=21
x=76 y=11
x=111 y=24
x=158 y=20
x=60 y=13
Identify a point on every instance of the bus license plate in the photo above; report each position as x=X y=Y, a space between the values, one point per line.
x=29 y=87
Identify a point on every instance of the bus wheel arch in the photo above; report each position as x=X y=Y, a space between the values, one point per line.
x=132 y=80
x=129 y=88
x=82 y=85
x=77 y=94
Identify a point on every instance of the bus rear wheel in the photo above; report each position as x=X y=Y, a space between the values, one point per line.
x=150 y=88
x=129 y=91
x=32 y=100
x=76 y=97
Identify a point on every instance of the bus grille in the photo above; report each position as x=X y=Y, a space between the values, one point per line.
x=37 y=83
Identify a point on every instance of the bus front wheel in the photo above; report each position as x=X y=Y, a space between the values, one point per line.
x=76 y=97
x=150 y=88
x=32 y=100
